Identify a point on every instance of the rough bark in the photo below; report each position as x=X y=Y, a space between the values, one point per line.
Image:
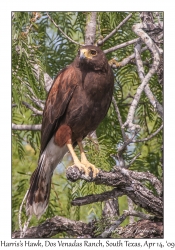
x=90 y=28
x=141 y=230
x=127 y=182
x=57 y=225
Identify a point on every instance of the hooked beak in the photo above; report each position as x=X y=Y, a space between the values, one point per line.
x=83 y=54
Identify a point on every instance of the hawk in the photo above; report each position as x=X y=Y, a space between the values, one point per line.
x=77 y=102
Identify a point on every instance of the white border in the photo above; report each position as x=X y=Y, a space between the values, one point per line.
x=5 y=94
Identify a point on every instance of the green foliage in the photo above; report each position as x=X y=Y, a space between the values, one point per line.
x=39 y=47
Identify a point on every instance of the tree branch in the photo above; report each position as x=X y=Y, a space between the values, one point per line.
x=138 y=29
x=123 y=179
x=114 y=64
x=158 y=107
x=134 y=158
x=121 y=45
x=36 y=101
x=57 y=225
x=35 y=127
x=70 y=39
x=119 y=118
x=97 y=197
x=149 y=137
x=144 y=229
x=100 y=42
x=90 y=28
x=148 y=177
x=48 y=82
x=36 y=111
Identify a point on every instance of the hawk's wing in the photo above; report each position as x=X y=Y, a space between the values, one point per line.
x=58 y=98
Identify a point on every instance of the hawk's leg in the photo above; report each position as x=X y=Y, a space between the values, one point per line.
x=84 y=165
x=85 y=162
x=76 y=160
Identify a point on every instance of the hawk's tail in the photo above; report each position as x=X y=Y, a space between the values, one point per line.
x=39 y=191
x=40 y=182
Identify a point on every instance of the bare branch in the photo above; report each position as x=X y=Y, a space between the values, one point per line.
x=158 y=107
x=125 y=144
x=33 y=97
x=57 y=225
x=150 y=137
x=97 y=197
x=121 y=45
x=48 y=82
x=114 y=64
x=20 y=211
x=134 y=158
x=35 y=127
x=70 y=39
x=120 y=150
x=119 y=118
x=138 y=29
x=36 y=101
x=100 y=42
x=36 y=111
x=90 y=28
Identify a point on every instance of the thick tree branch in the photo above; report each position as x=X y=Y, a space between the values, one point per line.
x=142 y=229
x=35 y=127
x=57 y=225
x=111 y=208
x=141 y=176
x=90 y=28
x=127 y=183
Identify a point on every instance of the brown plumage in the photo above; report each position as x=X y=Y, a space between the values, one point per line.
x=77 y=102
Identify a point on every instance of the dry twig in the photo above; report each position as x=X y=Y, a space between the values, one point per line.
x=70 y=39
x=100 y=42
x=121 y=45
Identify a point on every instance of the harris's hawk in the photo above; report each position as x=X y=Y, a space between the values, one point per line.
x=77 y=102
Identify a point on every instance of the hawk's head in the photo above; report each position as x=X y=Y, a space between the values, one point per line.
x=92 y=57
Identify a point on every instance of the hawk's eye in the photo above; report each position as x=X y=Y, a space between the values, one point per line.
x=93 y=52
